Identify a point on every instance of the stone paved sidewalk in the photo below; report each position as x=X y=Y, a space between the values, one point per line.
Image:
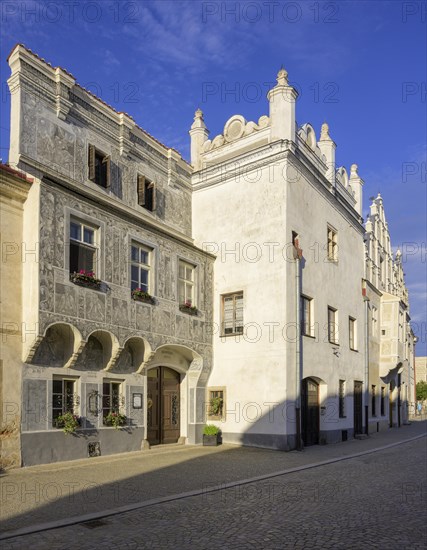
x=47 y=493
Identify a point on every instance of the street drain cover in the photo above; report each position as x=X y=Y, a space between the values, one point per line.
x=94 y=523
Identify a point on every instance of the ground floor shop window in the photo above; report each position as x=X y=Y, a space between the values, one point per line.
x=111 y=399
x=64 y=398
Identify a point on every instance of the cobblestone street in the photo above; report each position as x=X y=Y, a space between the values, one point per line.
x=354 y=503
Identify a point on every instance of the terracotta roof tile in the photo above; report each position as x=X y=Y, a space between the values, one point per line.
x=17 y=173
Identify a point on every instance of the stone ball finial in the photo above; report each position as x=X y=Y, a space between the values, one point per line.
x=198 y=114
x=324 y=132
x=282 y=77
x=353 y=169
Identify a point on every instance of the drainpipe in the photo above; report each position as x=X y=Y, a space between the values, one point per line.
x=415 y=373
x=367 y=307
x=297 y=255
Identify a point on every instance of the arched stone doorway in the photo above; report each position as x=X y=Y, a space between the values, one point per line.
x=189 y=374
x=310 y=409
x=163 y=405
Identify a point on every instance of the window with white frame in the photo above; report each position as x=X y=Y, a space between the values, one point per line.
x=232 y=314
x=186 y=284
x=83 y=246
x=63 y=396
x=306 y=316
x=111 y=397
x=352 y=333
x=332 y=244
x=141 y=262
x=332 y=325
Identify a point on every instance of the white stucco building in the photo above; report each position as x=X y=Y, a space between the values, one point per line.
x=290 y=322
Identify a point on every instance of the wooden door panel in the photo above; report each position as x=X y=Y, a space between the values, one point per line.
x=310 y=412
x=358 y=408
x=163 y=412
x=171 y=406
x=153 y=407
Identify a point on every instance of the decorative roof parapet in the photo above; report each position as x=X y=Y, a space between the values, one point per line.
x=62 y=87
x=235 y=128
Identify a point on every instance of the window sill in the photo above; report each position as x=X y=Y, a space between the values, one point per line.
x=231 y=334
x=113 y=427
x=333 y=343
x=216 y=418
x=92 y=285
x=356 y=350
x=309 y=336
x=189 y=310
x=144 y=300
x=102 y=185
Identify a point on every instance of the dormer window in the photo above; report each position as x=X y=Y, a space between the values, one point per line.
x=99 y=167
x=146 y=193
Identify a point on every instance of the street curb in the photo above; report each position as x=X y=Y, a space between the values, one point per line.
x=66 y=522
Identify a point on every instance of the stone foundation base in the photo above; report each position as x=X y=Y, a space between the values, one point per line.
x=56 y=446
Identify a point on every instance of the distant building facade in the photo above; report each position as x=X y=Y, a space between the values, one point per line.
x=391 y=341
x=157 y=295
x=420 y=369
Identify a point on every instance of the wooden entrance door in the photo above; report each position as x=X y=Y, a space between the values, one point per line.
x=310 y=412
x=358 y=407
x=163 y=397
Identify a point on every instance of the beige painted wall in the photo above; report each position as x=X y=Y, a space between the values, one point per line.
x=13 y=192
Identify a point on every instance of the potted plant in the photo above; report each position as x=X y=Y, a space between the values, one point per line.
x=86 y=278
x=211 y=435
x=186 y=307
x=140 y=295
x=68 y=422
x=115 y=419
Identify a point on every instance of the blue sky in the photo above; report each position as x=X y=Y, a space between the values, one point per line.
x=360 y=66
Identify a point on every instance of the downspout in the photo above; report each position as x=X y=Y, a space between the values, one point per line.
x=366 y=365
x=415 y=373
x=366 y=392
x=297 y=255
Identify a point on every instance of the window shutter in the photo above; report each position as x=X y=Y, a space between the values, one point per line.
x=107 y=161
x=141 y=190
x=91 y=162
x=153 y=196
